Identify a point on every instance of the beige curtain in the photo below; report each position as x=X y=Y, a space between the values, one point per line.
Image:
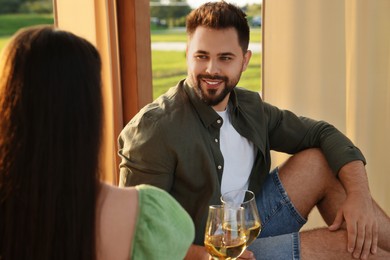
x=330 y=60
x=120 y=30
x=96 y=21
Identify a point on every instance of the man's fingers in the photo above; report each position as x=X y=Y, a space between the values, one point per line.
x=367 y=242
x=352 y=232
x=359 y=241
x=374 y=246
x=247 y=255
x=337 y=221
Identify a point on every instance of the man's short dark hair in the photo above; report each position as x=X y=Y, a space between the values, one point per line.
x=220 y=15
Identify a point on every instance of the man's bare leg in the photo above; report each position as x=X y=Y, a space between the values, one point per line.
x=322 y=244
x=309 y=182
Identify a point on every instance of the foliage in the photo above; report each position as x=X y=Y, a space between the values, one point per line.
x=26 y=6
x=253 y=10
x=168 y=67
x=9 y=6
x=41 y=7
x=172 y=14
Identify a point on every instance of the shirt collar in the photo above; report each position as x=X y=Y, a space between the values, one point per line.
x=206 y=113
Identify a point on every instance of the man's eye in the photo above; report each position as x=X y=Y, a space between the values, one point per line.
x=201 y=57
x=225 y=58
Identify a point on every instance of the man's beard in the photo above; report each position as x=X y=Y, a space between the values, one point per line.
x=211 y=98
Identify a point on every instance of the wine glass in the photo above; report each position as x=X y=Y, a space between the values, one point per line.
x=225 y=236
x=246 y=200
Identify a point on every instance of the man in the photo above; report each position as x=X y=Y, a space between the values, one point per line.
x=206 y=136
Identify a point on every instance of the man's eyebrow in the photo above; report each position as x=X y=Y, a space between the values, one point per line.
x=219 y=54
x=201 y=52
x=226 y=54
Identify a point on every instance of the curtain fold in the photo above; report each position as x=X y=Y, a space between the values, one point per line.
x=120 y=29
x=330 y=60
x=96 y=21
x=368 y=88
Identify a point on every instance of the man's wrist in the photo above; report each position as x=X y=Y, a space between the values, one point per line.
x=196 y=252
x=353 y=176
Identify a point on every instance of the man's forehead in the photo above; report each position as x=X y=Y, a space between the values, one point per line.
x=230 y=31
x=212 y=40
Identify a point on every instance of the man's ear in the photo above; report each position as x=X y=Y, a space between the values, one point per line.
x=247 y=57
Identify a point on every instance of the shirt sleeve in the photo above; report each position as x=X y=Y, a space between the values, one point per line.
x=291 y=133
x=146 y=157
x=164 y=230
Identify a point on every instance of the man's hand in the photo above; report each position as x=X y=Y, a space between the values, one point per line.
x=196 y=252
x=357 y=211
x=247 y=255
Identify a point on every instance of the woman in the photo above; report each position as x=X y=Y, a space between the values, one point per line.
x=52 y=204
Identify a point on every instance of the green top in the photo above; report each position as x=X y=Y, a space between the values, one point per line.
x=173 y=143
x=164 y=230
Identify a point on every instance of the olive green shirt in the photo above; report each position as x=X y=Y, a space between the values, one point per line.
x=173 y=143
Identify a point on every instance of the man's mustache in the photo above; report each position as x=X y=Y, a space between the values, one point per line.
x=203 y=76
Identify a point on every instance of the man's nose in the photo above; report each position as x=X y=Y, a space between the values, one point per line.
x=212 y=67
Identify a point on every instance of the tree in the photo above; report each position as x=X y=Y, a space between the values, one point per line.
x=253 y=10
x=26 y=6
x=254 y=14
x=9 y=6
x=173 y=12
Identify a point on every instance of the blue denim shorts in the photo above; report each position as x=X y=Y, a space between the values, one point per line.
x=281 y=222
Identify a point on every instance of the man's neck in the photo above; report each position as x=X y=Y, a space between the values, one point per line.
x=222 y=105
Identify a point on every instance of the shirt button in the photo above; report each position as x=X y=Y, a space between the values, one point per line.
x=219 y=167
x=219 y=121
x=216 y=140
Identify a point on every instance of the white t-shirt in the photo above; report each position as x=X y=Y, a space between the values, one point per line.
x=239 y=156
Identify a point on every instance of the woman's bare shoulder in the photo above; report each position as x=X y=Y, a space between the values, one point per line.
x=116 y=218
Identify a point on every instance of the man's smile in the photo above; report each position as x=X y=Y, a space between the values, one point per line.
x=212 y=83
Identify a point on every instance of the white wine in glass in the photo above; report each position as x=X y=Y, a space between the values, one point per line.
x=246 y=200
x=225 y=236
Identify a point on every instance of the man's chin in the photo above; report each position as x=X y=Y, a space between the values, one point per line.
x=211 y=92
x=212 y=101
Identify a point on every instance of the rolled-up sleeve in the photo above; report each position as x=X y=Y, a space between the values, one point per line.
x=290 y=133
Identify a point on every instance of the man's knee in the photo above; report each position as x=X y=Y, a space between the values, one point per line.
x=307 y=161
x=306 y=177
x=313 y=156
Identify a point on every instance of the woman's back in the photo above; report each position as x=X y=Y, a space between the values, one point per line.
x=49 y=93
x=52 y=203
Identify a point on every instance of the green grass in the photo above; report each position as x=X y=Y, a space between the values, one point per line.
x=10 y=23
x=168 y=67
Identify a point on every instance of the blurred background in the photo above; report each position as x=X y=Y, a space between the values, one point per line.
x=167 y=27
x=325 y=59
